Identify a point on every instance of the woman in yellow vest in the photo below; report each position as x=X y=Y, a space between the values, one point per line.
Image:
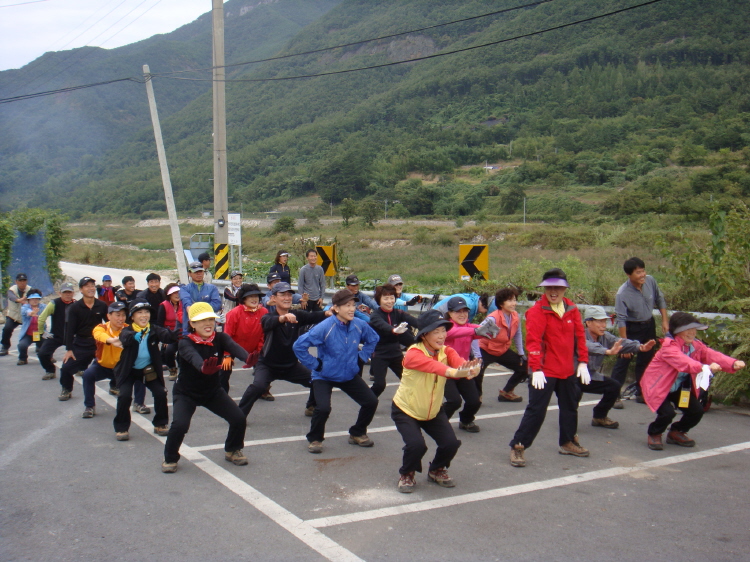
x=418 y=403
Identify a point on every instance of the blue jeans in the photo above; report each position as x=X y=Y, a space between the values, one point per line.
x=98 y=373
x=23 y=347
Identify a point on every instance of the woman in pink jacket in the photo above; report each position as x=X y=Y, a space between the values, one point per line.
x=680 y=369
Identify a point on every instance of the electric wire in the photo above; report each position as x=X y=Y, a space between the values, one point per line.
x=70 y=89
x=23 y=3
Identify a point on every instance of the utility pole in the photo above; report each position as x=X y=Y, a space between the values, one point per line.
x=221 y=203
x=165 y=180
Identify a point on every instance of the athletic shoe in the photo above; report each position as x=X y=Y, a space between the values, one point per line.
x=508 y=397
x=236 y=457
x=114 y=391
x=679 y=438
x=516 y=456
x=618 y=405
x=440 y=477
x=573 y=448
x=605 y=422
x=362 y=441
x=65 y=395
x=267 y=396
x=654 y=442
x=471 y=427
x=406 y=483
x=141 y=409
x=48 y=376
x=168 y=467
x=3 y=352
x=309 y=411
x=122 y=436
x=161 y=430
x=88 y=413
x=173 y=373
x=315 y=447
x=22 y=362
x=639 y=399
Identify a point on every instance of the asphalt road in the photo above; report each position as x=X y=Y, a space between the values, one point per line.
x=70 y=491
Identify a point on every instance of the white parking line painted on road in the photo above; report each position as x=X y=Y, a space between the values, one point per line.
x=292 y=438
x=521 y=488
x=309 y=535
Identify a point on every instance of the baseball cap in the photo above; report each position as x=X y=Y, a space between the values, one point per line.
x=201 y=311
x=342 y=297
x=273 y=277
x=107 y=278
x=196 y=266
x=21 y=277
x=395 y=280
x=352 y=280
x=235 y=274
x=85 y=280
x=139 y=304
x=67 y=288
x=595 y=313
x=431 y=320
x=282 y=287
x=457 y=303
x=117 y=306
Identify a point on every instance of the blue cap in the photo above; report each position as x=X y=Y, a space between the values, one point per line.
x=106 y=278
x=34 y=296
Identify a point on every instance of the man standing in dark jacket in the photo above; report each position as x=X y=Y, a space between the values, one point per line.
x=57 y=310
x=154 y=294
x=128 y=293
x=80 y=346
x=277 y=359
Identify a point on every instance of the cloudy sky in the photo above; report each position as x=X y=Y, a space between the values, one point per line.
x=30 y=28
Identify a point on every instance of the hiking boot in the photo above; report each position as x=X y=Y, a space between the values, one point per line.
x=516 y=456
x=267 y=396
x=639 y=399
x=22 y=362
x=236 y=457
x=48 y=376
x=3 y=352
x=141 y=409
x=88 y=413
x=315 y=447
x=605 y=422
x=471 y=427
x=309 y=411
x=654 y=442
x=618 y=405
x=168 y=467
x=114 y=391
x=361 y=440
x=65 y=395
x=440 y=477
x=508 y=397
x=573 y=448
x=173 y=373
x=161 y=430
x=679 y=438
x=406 y=483
x=122 y=436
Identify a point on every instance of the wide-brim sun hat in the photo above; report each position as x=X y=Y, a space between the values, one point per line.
x=201 y=311
x=248 y=290
x=554 y=277
x=432 y=320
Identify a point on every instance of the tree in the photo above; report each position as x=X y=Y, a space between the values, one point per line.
x=348 y=210
x=284 y=224
x=369 y=210
x=513 y=199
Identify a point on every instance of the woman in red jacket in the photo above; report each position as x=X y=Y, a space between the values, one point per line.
x=243 y=326
x=169 y=316
x=556 y=344
x=682 y=366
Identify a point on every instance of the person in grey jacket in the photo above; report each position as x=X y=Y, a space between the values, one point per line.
x=601 y=343
x=312 y=280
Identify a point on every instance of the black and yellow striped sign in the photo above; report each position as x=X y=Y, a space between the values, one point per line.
x=327 y=259
x=221 y=255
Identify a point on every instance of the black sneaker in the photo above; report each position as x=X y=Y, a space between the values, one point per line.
x=141 y=409
x=471 y=427
x=22 y=362
x=3 y=352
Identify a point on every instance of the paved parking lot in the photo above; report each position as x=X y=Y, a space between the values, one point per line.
x=70 y=491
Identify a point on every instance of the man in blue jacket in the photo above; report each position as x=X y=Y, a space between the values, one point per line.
x=198 y=291
x=337 y=340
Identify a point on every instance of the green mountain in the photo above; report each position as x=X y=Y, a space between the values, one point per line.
x=43 y=139
x=643 y=111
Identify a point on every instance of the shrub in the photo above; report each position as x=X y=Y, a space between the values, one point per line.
x=284 y=224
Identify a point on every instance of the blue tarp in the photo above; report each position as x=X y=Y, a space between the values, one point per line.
x=27 y=256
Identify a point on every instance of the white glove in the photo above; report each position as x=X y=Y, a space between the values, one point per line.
x=461 y=373
x=703 y=379
x=538 y=380
x=583 y=373
x=488 y=328
x=46 y=335
x=401 y=328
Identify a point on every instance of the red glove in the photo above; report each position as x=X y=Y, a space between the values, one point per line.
x=252 y=359
x=211 y=366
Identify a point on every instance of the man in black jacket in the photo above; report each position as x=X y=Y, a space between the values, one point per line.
x=277 y=358
x=57 y=310
x=80 y=346
x=154 y=294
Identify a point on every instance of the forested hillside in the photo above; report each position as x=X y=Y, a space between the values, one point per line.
x=644 y=111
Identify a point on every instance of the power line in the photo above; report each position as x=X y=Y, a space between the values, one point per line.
x=324 y=49
x=132 y=22
x=69 y=89
x=23 y=3
x=427 y=57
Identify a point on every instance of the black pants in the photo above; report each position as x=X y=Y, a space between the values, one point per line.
x=10 y=325
x=23 y=346
x=691 y=416
x=46 y=351
x=265 y=375
x=183 y=408
x=125 y=398
x=509 y=359
x=357 y=390
x=642 y=332
x=84 y=351
x=455 y=389
x=379 y=369
x=439 y=428
x=567 y=398
x=169 y=354
x=610 y=391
